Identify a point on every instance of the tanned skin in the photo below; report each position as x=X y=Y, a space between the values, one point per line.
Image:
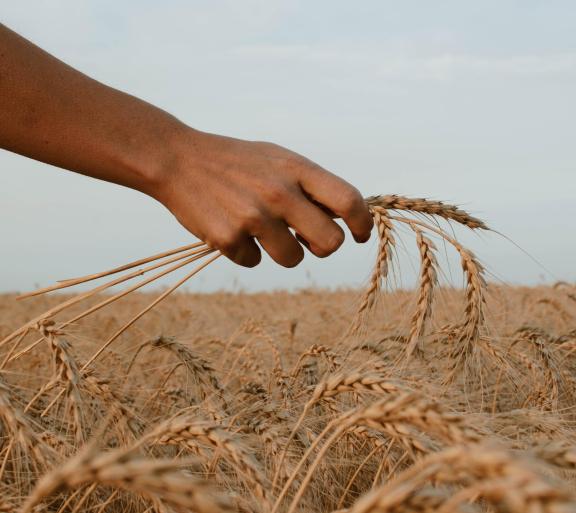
x=227 y=192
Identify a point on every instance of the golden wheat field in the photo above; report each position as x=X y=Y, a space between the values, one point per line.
x=437 y=399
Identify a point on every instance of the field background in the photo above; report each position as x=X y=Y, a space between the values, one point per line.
x=233 y=373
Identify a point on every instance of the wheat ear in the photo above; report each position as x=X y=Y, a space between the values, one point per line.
x=151 y=478
x=426 y=206
x=391 y=416
x=386 y=244
x=491 y=474
x=475 y=287
x=17 y=425
x=188 y=431
x=335 y=385
x=427 y=282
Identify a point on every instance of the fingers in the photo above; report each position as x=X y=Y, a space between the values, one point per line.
x=280 y=244
x=321 y=234
x=247 y=254
x=236 y=240
x=314 y=227
x=239 y=248
x=340 y=197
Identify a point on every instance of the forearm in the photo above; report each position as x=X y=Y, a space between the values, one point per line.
x=55 y=114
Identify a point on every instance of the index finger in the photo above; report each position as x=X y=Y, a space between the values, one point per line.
x=339 y=197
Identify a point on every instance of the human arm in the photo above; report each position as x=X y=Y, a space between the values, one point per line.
x=225 y=191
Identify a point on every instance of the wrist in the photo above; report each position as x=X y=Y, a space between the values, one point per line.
x=158 y=171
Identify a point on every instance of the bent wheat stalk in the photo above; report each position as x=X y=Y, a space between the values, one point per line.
x=388 y=416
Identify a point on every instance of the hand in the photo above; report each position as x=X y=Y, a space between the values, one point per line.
x=229 y=192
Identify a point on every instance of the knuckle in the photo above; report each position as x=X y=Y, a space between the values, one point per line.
x=295 y=162
x=275 y=194
x=225 y=240
x=252 y=220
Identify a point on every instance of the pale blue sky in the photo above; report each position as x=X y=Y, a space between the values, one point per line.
x=471 y=102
